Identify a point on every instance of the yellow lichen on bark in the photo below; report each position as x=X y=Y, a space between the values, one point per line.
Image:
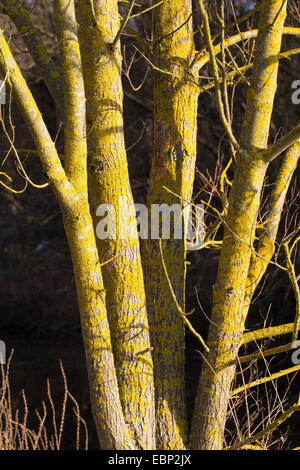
x=111 y=426
x=32 y=37
x=125 y=364
x=228 y=295
x=171 y=182
x=108 y=181
x=74 y=95
x=112 y=429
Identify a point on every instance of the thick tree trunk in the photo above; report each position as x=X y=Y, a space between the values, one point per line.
x=171 y=182
x=228 y=295
x=108 y=181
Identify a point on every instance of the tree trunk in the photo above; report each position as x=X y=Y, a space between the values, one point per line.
x=108 y=181
x=171 y=182
x=227 y=324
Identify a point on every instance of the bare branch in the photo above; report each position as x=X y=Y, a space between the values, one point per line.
x=31 y=36
x=218 y=94
x=123 y=24
x=267 y=333
x=264 y=380
x=271 y=427
x=34 y=121
x=281 y=145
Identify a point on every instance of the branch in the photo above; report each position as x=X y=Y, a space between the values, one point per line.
x=74 y=95
x=20 y=166
x=35 y=124
x=239 y=71
x=183 y=315
x=267 y=333
x=123 y=25
x=265 y=380
x=30 y=152
x=270 y=428
x=8 y=188
x=258 y=355
x=213 y=61
x=147 y=9
x=266 y=242
x=281 y=145
x=32 y=38
x=202 y=57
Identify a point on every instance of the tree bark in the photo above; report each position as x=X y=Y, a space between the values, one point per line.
x=171 y=182
x=108 y=181
x=112 y=429
x=227 y=324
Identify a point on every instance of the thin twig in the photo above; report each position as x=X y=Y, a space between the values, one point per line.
x=181 y=312
x=123 y=25
x=274 y=376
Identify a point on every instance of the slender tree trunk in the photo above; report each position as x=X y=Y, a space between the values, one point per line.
x=108 y=181
x=265 y=246
x=228 y=294
x=112 y=429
